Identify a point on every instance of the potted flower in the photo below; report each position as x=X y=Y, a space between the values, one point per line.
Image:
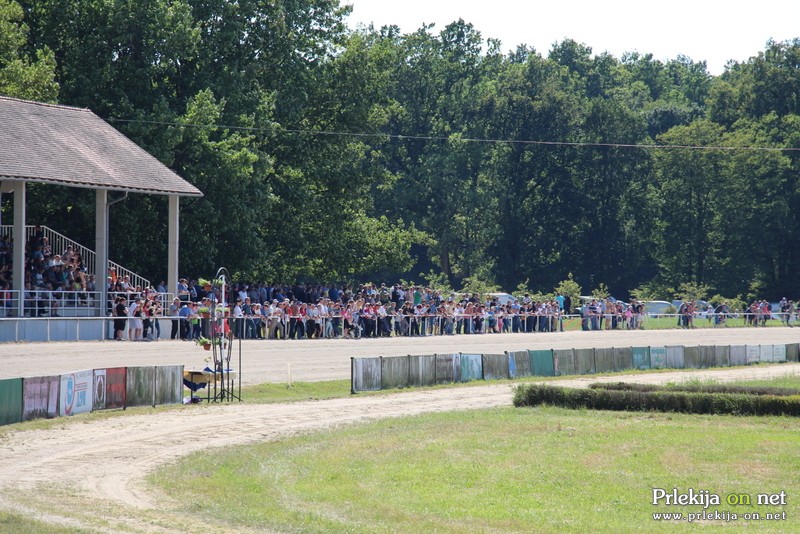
x=204 y=342
x=204 y=312
x=205 y=284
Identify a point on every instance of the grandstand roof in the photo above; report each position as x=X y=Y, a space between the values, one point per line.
x=74 y=147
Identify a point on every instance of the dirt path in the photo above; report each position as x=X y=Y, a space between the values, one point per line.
x=90 y=474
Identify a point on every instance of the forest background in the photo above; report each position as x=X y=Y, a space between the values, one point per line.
x=338 y=155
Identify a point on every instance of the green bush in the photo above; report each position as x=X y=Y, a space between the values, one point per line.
x=699 y=388
x=660 y=400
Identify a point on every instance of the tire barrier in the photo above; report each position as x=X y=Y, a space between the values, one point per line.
x=370 y=374
x=25 y=399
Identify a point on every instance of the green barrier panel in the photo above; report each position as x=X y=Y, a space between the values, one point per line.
x=564 y=362
x=495 y=366
x=792 y=352
x=584 y=362
x=10 y=401
x=140 y=387
x=519 y=364
x=365 y=375
x=722 y=356
x=422 y=370
x=40 y=397
x=675 y=357
x=542 y=362
x=448 y=368
x=779 y=353
x=641 y=357
x=658 y=357
x=471 y=367
x=738 y=354
x=753 y=354
x=691 y=358
x=623 y=358
x=765 y=353
x=604 y=360
x=707 y=355
x=395 y=372
x=169 y=384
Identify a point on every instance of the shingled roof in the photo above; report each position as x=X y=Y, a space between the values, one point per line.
x=74 y=147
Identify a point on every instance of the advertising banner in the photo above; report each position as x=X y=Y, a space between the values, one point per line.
x=658 y=357
x=99 y=390
x=40 y=397
x=542 y=362
x=521 y=364
x=448 y=368
x=116 y=386
x=394 y=372
x=140 y=386
x=641 y=357
x=471 y=367
x=75 y=395
x=169 y=384
x=422 y=370
x=10 y=401
x=495 y=366
x=366 y=374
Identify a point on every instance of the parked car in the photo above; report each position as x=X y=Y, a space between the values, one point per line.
x=501 y=298
x=656 y=307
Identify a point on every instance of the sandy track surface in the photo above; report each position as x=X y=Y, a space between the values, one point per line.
x=90 y=474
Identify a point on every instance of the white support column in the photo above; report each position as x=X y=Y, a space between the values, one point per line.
x=18 y=261
x=101 y=251
x=173 y=227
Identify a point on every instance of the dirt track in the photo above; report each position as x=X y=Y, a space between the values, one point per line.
x=90 y=474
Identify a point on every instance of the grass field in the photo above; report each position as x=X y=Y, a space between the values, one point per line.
x=501 y=470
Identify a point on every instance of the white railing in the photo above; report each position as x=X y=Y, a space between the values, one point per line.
x=59 y=243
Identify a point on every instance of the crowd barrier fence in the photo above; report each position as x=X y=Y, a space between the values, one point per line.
x=25 y=399
x=370 y=374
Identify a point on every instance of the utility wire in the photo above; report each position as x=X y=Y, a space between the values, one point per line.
x=401 y=137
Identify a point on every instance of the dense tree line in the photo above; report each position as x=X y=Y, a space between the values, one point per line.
x=332 y=154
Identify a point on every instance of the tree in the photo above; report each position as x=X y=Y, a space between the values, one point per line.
x=24 y=74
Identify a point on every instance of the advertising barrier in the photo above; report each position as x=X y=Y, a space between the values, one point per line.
x=691 y=358
x=519 y=364
x=722 y=356
x=471 y=367
x=140 y=386
x=542 y=362
x=422 y=370
x=675 y=357
x=658 y=357
x=448 y=368
x=604 y=360
x=779 y=353
x=765 y=353
x=564 y=362
x=75 y=395
x=738 y=354
x=753 y=354
x=365 y=373
x=641 y=357
x=395 y=372
x=623 y=358
x=792 y=352
x=168 y=384
x=116 y=387
x=40 y=397
x=495 y=366
x=99 y=390
x=585 y=361
x=10 y=401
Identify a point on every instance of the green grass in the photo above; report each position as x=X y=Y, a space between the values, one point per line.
x=787 y=381
x=501 y=470
x=12 y=523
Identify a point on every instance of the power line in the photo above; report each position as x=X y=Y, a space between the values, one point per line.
x=402 y=137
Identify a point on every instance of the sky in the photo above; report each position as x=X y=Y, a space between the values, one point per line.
x=703 y=30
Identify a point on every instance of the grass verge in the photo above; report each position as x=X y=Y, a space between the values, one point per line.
x=508 y=470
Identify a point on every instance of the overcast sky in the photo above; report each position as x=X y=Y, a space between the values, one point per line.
x=703 y=30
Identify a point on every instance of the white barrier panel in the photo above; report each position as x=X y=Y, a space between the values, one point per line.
x=753 y=354
x=765 y=353
x=40 y=397
x=76 y=392
x=779 y=353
